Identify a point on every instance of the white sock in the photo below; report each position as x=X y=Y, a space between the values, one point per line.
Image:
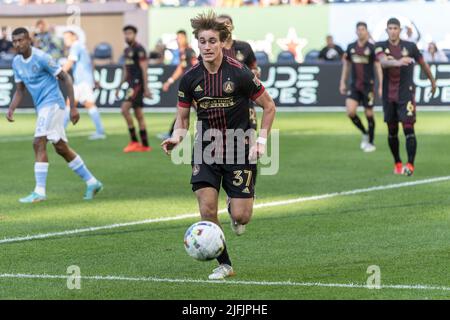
x=40 y=174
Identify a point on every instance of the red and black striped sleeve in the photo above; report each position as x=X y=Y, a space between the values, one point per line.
x=252 y=87
x=185 y=93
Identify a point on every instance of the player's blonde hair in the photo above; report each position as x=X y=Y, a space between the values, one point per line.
x=208 y=21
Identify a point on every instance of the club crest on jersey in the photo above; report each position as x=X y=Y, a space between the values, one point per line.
x=352 y=50
x=239 y=55
x=130 y=54
x=405 y=52
x=35 y=68
x=367 y=51
x=387 y=51
x=228 y=87
x=198 y=88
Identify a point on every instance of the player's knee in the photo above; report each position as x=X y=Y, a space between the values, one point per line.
x=125 y=112
x=242 y=215
x=60 y=149
x=38 y=145
x=351 y=113
x=393 y=129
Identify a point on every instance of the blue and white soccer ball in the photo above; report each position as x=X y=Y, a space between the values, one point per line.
x=204 y=241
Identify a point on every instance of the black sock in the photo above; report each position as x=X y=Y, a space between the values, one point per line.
x=224 y=258
x=411 y=142
x=172 y=127
x=371 y=122
x=133 y=134
x=357 y=122
x=393 y=141
x=144 y=139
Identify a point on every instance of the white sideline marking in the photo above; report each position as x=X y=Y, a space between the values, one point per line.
x=227 y=282
x=194 y=215
x=30 y=137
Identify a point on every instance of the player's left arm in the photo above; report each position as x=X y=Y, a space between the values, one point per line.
x=143 y=64
x=425 y=67
x=265 y=101
x=66 y=79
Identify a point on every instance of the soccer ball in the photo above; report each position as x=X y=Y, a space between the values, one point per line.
x=204 y=241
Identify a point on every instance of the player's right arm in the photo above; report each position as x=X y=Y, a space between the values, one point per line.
x=17 y=98
x=345 y=72
x=181 y=126
x=174 y=77
x=124 y=76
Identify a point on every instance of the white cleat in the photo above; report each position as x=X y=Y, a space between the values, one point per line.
x=221 y=272
x=370 y=148
x=97 y=136
x=237 y=228
x=364 y=141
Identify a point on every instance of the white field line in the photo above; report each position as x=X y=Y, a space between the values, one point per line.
x=30 y=137
x=194 y=215
x=227 y=282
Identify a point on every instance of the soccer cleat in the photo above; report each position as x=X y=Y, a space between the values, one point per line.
x=408 y=169
x=221 y=272
x=369 y=147
x=163 y=136
x=398 y=168
x=364 y=141
x=142 y=148
x=92 y=190
x=32 y=198
x=97 y=136
x=237 y=228
x=132 y=147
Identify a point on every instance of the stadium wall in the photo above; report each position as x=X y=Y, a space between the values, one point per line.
x=101 y=23
x=290 y=86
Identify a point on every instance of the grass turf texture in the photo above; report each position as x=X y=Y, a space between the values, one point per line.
x=404 y=231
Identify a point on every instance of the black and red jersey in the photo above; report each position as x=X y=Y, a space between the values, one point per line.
x=188 y=58
x=398 y=83
x=222 y=99
x=242 y=52
x=362 y=59
x=133 y=55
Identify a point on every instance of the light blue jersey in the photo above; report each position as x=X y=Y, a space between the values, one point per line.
x=82 y=68
x=38 y=74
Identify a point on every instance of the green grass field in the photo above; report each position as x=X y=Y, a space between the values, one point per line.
x=405 y=231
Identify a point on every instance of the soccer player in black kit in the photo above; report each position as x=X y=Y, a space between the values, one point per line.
x=397 y=58
x=135 y=73
x=221 y=87
x=360 y=58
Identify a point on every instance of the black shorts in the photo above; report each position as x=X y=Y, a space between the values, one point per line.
x=135 y=95
x=364 y=98
x=238 y=180
x=400 y=112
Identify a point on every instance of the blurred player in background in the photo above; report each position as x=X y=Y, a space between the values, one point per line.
x=243 y=52
x=80 y=63
x=39 y=73
x=221 y=87
x=397 y=57
x=188 y=58
x=135 y=74
x=360 y=59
